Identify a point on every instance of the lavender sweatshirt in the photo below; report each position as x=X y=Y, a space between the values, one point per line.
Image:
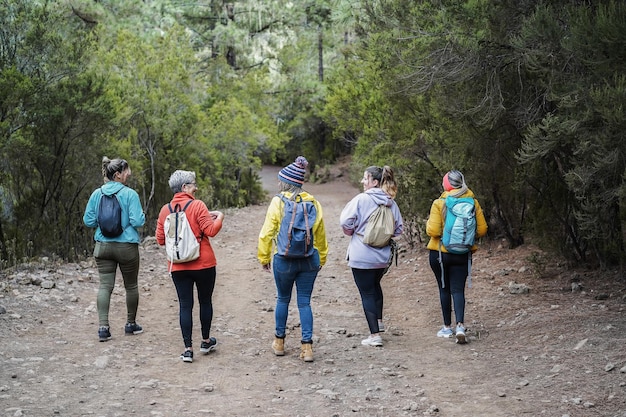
x=353 y=221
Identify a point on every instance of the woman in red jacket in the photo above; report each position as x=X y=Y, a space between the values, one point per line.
x=201 y=271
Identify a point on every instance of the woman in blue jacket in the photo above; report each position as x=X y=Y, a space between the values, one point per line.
x=121 y=250
x=368 y=263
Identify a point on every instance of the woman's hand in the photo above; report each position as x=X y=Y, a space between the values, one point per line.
x=347 y=232
x=216 y=215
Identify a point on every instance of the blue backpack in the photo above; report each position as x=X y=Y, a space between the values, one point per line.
x=459 y=228
x=295 y=236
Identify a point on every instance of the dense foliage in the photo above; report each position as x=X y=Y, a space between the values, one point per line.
x=525 y=97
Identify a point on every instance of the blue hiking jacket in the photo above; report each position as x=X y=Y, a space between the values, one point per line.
x=133 y=216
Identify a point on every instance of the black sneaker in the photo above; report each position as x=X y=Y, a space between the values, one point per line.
x=187 y=356
x=206 y=347
x=104 y=334
x=132 y=328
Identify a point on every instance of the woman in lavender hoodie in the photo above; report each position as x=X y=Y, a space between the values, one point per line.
x=368 y=263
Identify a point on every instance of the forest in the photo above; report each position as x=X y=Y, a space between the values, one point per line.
x=525 y=97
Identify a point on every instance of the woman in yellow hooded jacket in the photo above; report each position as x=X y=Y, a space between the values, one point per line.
x=288 y=270
x=451 y=270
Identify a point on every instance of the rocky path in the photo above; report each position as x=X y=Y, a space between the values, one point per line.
x=549 y=352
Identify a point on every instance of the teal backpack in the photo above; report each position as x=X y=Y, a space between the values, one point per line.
x=459 y=228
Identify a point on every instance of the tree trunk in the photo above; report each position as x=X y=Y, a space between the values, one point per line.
x=320 y=53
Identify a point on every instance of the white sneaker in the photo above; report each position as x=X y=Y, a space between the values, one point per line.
x=445 y=332
x=372 y=341
x=460 y=334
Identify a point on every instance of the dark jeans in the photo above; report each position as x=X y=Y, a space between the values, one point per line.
x=302 y=272
x=204 y=280
x=368 y=283
x=110 y=255
x=455 y=269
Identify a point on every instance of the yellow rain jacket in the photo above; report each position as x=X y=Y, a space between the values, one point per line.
x=269 y=231
x=434 y=225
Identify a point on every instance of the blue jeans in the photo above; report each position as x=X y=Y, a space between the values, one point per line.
x=454 y=275
x=204 y=280
x=302 y=272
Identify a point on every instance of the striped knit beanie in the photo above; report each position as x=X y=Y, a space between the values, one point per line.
x=294 y=173
x=455 y=181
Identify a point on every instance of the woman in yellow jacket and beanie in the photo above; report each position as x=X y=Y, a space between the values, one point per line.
x=301 y=271
x=451 y=270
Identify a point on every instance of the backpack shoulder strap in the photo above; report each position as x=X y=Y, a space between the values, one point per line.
x=377 y=206
x=175 y=209
x=444 y=209
x=293 y=198
x=115 y=193
x=187 y=205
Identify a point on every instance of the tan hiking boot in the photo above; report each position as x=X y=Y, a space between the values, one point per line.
x=307 y=352
x=279 y=346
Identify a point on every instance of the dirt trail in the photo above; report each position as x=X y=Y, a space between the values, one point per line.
x=551 y=352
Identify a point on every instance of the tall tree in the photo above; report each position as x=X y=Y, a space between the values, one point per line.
x=577 y=151
x=158 y=109
x=484 y=81
x=53 y=108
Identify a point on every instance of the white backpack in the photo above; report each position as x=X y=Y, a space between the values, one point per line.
x=181 y=244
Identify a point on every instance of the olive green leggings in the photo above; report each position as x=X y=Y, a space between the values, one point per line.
x=110 y=255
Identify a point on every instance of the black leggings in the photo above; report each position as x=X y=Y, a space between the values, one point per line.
x=204 y=279
x=455 y=270
x=368 y=283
